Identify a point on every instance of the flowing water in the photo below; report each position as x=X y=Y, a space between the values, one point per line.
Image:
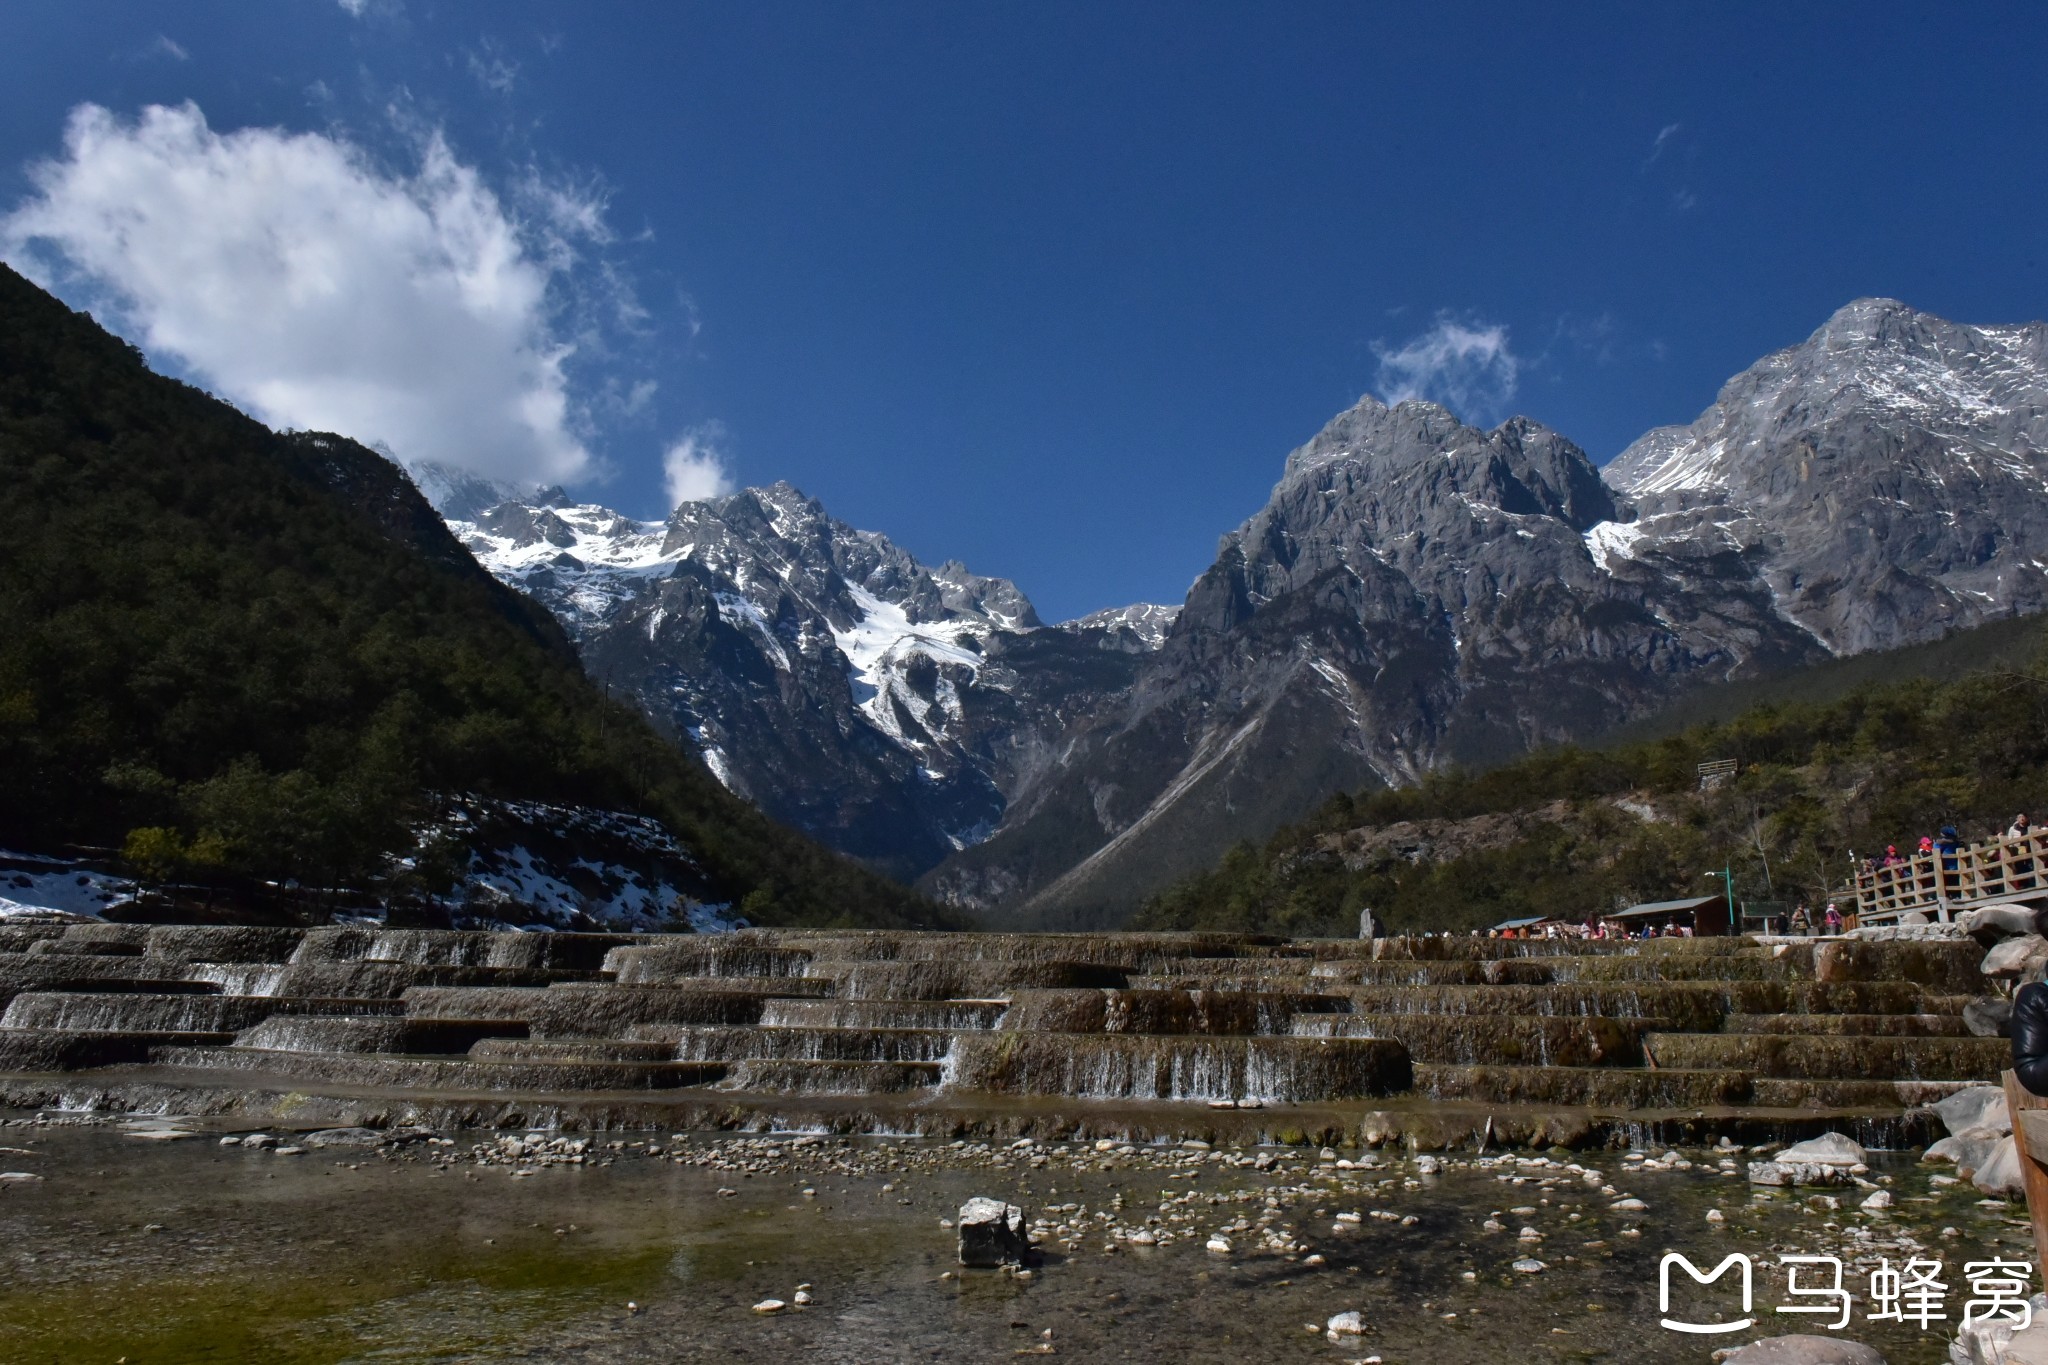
x=172 y=1251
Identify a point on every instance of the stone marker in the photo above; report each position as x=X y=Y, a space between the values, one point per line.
x=991 y=1233
x=1802 y=1350
x=1369 y=925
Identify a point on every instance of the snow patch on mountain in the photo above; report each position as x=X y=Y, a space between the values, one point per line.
x=1149 y=621
x=880 y=644
x=1608 y=541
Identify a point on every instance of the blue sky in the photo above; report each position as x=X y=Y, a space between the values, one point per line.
x=1050 y=288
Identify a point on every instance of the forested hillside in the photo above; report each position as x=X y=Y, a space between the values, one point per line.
x=245 y=655
x=1578 y=830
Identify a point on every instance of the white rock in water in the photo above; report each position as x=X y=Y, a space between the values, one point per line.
x=1969 y=1151
x=1219 y=1246
x=1803 y=1350
x=1528 y=1266
x=1629 y=1206
x=1829 y=1149
x=1978 y=1106
x=770 y=1306
x=17 y=1177
x=2001 y=1174
x=1350 y=1324
x=1994 y=1342
x=1882 y=1199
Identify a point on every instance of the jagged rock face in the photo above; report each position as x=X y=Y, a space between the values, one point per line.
x=886 y=708
x=1416 y=592
x=1885 y=478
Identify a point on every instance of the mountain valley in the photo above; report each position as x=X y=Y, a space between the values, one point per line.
x=1417 y=595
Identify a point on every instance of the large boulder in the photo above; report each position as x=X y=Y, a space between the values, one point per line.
x=2000 y=1176
x=1988 y=1018
x=991 y=1233
x=1969 y=1150
x=1830 y=1159
x=1999 y=921
x=1829 y=1149
x=2016 y=959
x=1994 y=1342
x=1976 y=1106
x=1802 y=1350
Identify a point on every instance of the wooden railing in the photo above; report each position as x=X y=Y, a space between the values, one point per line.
x=1941 y=884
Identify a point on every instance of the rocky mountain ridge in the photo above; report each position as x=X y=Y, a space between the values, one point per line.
x=822 y=671
x=1416 y=593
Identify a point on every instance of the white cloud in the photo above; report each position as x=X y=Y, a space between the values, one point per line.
x=301 y=280
x=162 y=46
x=694 y=466
x=492 y=70
x=355 y=8
x=1466 y=366
x=1664 y=135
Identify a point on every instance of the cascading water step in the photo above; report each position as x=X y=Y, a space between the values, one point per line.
x=970 y=980
x=181 y=1012
x=1189 y=1067
x=790 y=1077
x=1237 y=1013
x=1498 y=1039
x=658 y=964
x=451 y=1074
x=804 y=1044
x=1597 y=1087
x=589 y=1009
x=572 y=1050
x=1851 y=1025
x=313 y=1033
x=1834 y=1057
x=39 y=1049
x=930 y=1014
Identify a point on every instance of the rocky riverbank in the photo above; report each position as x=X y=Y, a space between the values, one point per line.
x=146 y=1237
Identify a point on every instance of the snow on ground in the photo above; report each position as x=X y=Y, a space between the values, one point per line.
x=545 y=864
x=32 y=887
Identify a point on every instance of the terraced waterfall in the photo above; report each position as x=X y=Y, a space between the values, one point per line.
x=1431 y=1042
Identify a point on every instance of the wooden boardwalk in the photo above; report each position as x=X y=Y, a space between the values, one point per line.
x=1943 y=885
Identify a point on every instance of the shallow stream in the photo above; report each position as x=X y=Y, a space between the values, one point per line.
x=171 y=1250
